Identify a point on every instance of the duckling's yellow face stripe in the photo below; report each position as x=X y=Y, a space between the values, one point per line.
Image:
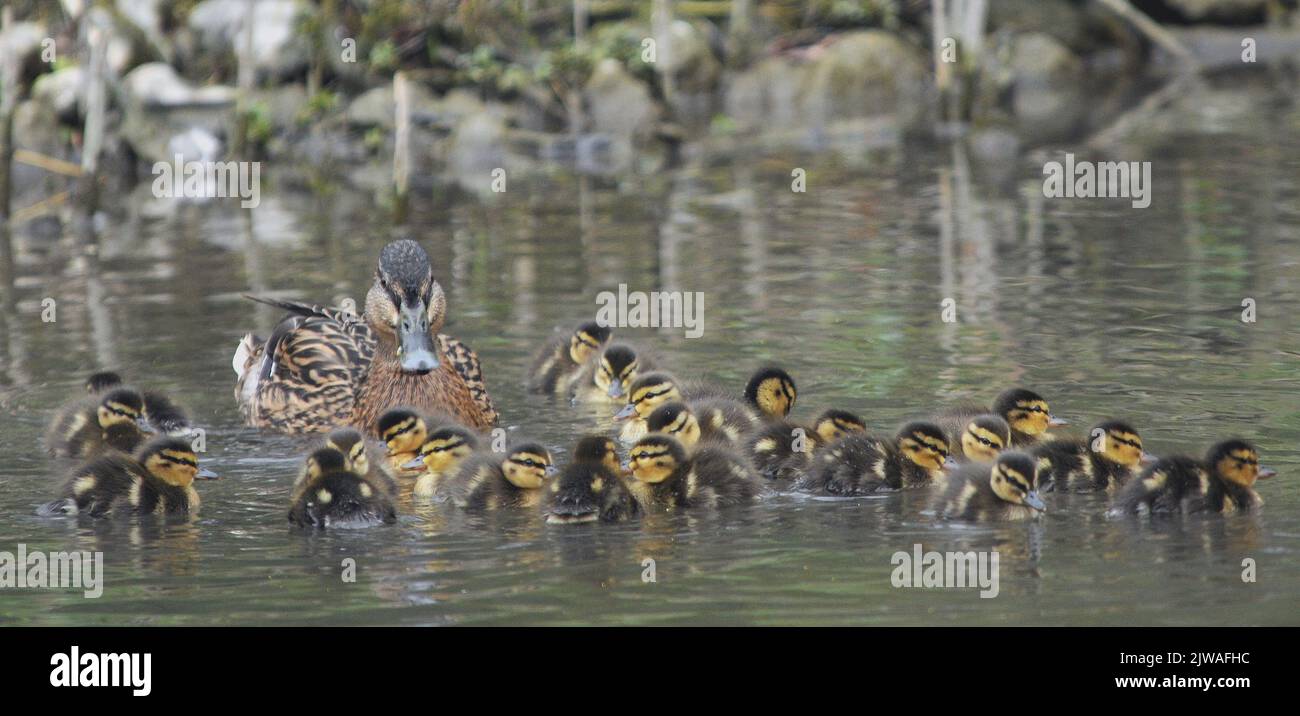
x=526 y=470
x=924 y=450
x=685 y=428
x=1011 y=485
x=174 y=467
x=980 y=444
x=114 y=413
x=775 y=397
x=652 y=463
x=832 y=429
x=1240 y=467
x=1123 y=447
x=582 y=346
x=650 y=397
x=441 y=455
x=1030 y=417
x=406 y=436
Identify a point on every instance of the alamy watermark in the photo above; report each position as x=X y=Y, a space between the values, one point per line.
x=656 y=309
x=950 y=570
x=1098 y=180
x=209 y=180
x=53 y=570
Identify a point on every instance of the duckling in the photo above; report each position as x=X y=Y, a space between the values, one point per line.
x=666 y=477
x=592 y=487
x=1222 y=482
x=403 y=431
x=159 y=411
x=609 y=377
x=771 y=391
x=651 y=390
x=89 y=427
x=708 y=421
x=982 y=439
x=564 y=356
x=782 y=450
x=157 y=479
x=102 y=381
x=441 y=455
x=1107 y=460
x=490 y=480
x=352 y=444
x=1024 y=410
x=1004 y=491
x=860 y=464
x=332 y=495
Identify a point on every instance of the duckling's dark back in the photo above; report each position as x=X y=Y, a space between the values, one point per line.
x=339 y=498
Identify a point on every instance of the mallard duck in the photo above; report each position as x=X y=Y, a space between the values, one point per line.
x=332 y=495
x=592 y=487
x=323 y=367
x=1024 y=410
x=490 y=480
x=1110 y=456
x=111 y=420
x=1223 y=482
x=705 y=421
x=860 y=464
x=159 y=411
x=608 y=378
x=666 y=477
x=157 y=479
x=783 y=450
x=564 y=356
x=771 y=391
x=652 y=390
x=403 y=431
x=442 y=453
x=982 y=439
x=1004 y=491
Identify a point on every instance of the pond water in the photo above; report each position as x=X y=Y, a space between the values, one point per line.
x=1107 y=310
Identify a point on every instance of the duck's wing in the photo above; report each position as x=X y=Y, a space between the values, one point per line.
x=465 y=360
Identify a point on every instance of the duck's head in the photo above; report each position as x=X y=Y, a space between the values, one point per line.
x=402 y=430
x=655 y=457
x=1119 y=443
x=1015 y=480
x=120 y=406
x=587 y=340
x=99 y=382
x=598 y=449
x=677 y=420
x=771 y=390
x=925 y=445
x=352 y=444
x=173 y=461
x=1237 y=462
x=406 y=306
x=321 y=461
x=984 y=437
x=647 y=393
x=835 y=424
x=578 y=493
x=444 y=449
x=527 y=466
x=1026 y=411
x=616 y=370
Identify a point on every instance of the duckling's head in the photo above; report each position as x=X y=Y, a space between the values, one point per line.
x=173 y=461
x=445 y=448
x=598 y=449
x=121 y=405
x=926 y=446
x=835 y=424
x=772 y=391
x=576 y=495
x=984 y=437
x=1237 y=462
x=587 y=340
x=99 y=382
x=616 y=370
x=1117 y=442
x=527 y=466
x=647 y=393
x=402 y=430
x=677 y=420
x=353 y=446
x=655 y=457
x=1025 y=411
x=406 y=306
x=1015 y=480
x=322 y=461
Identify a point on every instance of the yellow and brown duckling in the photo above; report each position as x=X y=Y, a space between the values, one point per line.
x=323 y=367
x=442 y=453
x=861 y=464
x=356 y=454
x=609 y=377
x=1110 y=456
x=1024 y=410
x=564 y=356
x=510 y=479
x=666 y=477
x=706 y=421
x=1223 y=482
x=591 y=488
x=648 y=392
x=159 y=410
x=157 y=479
x=1004 y=491
x=111 y=420
x=982 y=439
x=771 y=391
x=784 y=450
x=403 y=431
x=333 y=495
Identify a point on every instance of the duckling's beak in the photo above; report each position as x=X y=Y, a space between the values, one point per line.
x=626 y=467
x=551 y=470
x=615 y=389
x=628 y=411
x=413 y=463
x=143 y=423
x=1055 y=422
x=1149 y=459
x=205 y=474
x=1265 y=472
x=1033 y=500
x=949 y=463
x=415 y=345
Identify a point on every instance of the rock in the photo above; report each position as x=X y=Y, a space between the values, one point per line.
x=195 y=144
x=278 y=49
x=22 y=41
x=696 y=71
x=619 y=104
x=156 y=84
x=283 y=104
x=375 y=108
x=164 y=114
x=1236 y=11
x=61 y=91
x=1046 y=79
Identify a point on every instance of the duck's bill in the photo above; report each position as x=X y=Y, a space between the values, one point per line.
x=414 y=463
x=615 y=390
x=145 y=427
x=1265 y=472
x=557 y=518
x=415 y=344
x=551 y=470
x=205 y=474
x=949 y=464
x=1033 y=500
x=1055 y=422
x=628 y=411
x=1149 y=459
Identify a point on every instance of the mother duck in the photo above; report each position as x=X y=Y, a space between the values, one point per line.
x=326 y=367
